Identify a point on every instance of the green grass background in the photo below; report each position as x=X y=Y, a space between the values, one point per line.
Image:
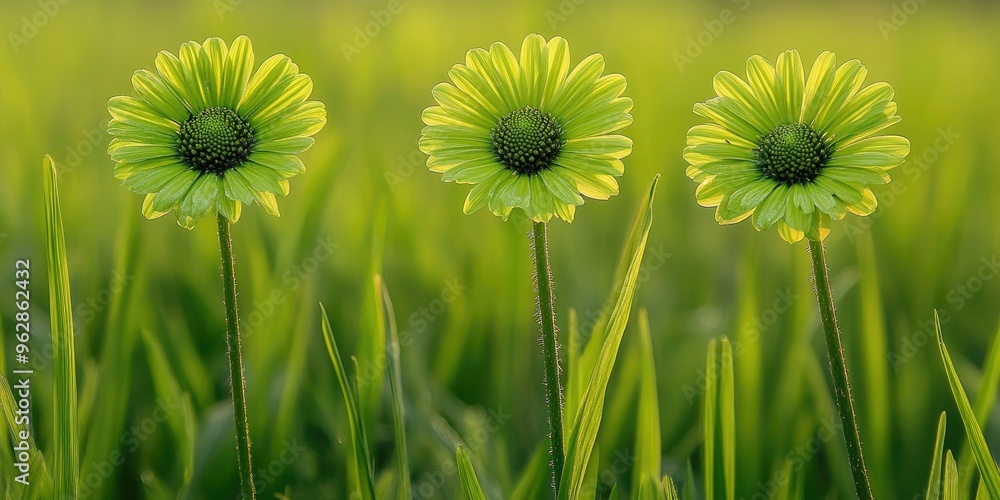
x=148 y=301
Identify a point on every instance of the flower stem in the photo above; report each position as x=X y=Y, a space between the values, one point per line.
x=838 y=367
x=550 y=349
x=236 y=361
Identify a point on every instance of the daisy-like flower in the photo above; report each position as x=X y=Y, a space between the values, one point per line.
x=204 y=133
x=794 y=151
x=529 y=131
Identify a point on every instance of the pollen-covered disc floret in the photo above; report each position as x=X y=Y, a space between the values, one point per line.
x=794 y=149
x=527 y=140
x=529 y=130
x=215 y=140
x=792 y=154
x=205 y=133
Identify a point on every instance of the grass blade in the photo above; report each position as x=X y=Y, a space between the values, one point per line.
x=470 y=483
x=647 y=431
x=669 y=489
x=985 y=399
x=934 y=482
x=987 y=466
x=710 y=418
x=67 y=440
x=588 y=417
x=981 y=493
x=727 y=417
x=950 y=478
x=39 y=486
x=396 y=386
x=363 y=465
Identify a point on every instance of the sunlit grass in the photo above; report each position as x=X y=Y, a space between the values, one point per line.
x=468 y=369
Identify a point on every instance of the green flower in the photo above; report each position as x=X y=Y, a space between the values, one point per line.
x=530 y=133
x=205 y=133
x=794 y=151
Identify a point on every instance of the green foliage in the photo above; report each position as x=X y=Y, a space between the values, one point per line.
x=476 y=353
x=988 y=468
x=468 y=474
x=66 y=426
x=587 y=421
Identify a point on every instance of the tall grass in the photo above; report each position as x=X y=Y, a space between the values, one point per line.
x=467 y=368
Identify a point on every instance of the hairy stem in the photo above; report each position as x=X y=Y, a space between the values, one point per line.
x=550 y=349
x=838 y=367
x=236 y=361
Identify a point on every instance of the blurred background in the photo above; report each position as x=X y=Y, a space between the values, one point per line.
x=148 y=300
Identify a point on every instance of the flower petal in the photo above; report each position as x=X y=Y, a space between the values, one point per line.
x=818 y=86
x=790 y=85
x=159 y=96
x=238 y=67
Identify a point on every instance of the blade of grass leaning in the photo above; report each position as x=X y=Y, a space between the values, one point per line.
x=64 y=416
x=647 y=427
x=981 y=493
x=669 y=489
x=934 y=482
x=588 y=416
x=396 y=387
x=987 y=466
x=6 y=454
x=950 y=482
x=986 y=397
x=467 y=473
x=727 y=417
x=39 y=480
x=614 y=492
x=594 y=337
x=363 y=465
x=709 y=423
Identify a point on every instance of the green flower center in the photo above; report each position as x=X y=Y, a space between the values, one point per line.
x=527 y=141
x=792 y=154
x=215 y=140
